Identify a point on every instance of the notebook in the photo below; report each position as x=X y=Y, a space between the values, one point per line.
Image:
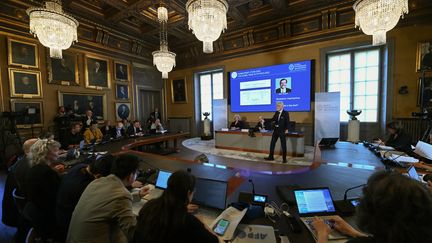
x=160 y=185
x=316 y=202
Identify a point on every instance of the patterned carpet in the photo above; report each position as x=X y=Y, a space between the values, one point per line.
x=208 y=147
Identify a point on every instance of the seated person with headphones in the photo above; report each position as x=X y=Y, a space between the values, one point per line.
x=398 y=139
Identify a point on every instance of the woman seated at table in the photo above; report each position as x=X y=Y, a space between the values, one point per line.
x=394 y=208
x=237 y=123
x=398 y=139
x=93 y=134
x=166 y=219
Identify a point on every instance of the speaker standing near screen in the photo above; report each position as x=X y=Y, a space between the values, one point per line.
x=281 y=124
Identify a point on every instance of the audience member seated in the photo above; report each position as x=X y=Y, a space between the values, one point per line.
x=237 y=123
x=126 y=124
x=261 y=125
x=135 y=129
x=93 y=134
x=73 y=185
x=166 y=219
x=394 y=208
x=87 y=119
x=118 y=131
x=104 y=210
x=15 y=180
x=41 y=187
x=156 y=126
x=73 y=138
x=107 y=128
x=150 y=121
x=398 y=139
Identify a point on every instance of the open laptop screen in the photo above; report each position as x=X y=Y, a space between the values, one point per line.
x=314 y=201
x=162 y=179
x=412 y=173
x=210 y=193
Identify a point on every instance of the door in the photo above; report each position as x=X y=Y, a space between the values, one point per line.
x=148 y=101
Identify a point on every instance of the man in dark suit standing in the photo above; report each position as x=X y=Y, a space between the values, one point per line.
x=283 y=87
x=281 y=125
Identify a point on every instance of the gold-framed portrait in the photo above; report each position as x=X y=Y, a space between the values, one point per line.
x=424 y=56
x=179 y=90
x=23 y=53
x=123 y=110
x=25 y=83
x=79 y=103
x=122 y=91
x=97 y=72
x=31 y=113
x=63 y=71
x=122 y=71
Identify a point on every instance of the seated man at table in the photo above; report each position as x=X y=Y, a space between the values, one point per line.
x=73 y=138
x=73 y=185
x=261 y=125
x=237 y=123
x=93 y=134
x=118 y=131
x=104 y=210
x=135 y=129
x=156 y=126
x=107 y=128
x=394 y=208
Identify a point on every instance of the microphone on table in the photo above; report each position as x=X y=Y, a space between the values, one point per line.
x=346 y=207
x=253 y=186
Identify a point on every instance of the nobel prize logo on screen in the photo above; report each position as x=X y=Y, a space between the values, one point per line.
x=258 y=89
x=234 y=75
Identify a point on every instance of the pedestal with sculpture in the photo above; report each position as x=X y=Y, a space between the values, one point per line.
x=207 y=134
x=353 y=126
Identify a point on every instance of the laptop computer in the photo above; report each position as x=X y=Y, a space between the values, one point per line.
x=328 y=142
x=160 y=185
x=412 y=173
x=317 y=202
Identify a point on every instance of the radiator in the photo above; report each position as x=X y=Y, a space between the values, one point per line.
x=413 y=126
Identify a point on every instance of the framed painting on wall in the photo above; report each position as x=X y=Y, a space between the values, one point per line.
x=97 y=72
x=424 y=95
x=63 y=71
x=122 y=71
x=25 y=83
x=424 y=56
x=31 y=113
x=178 y=90
x=79 y=103
x=123 y=110
x=22 y=53
x=122 y=91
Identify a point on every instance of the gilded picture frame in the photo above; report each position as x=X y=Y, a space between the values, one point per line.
x=31 y=113
x=64 y=71
x=120 y=74
x=25 y=83
x=179 y=91
x=123 y=110
x=22 y=53
x=122 y=91
x=97 y=72
x=424 y=56
x=426 y=93
x=79 y=103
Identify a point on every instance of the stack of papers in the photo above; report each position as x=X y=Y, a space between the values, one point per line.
x=404 y=159
x=424 y=150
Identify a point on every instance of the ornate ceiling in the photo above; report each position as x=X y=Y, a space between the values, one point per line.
x=253 y=25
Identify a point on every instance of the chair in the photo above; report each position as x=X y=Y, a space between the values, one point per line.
x=20 y=201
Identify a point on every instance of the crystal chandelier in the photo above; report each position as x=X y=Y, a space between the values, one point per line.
x=54 y=29
x=164 y=60
x=376 y=17
x=207 y=19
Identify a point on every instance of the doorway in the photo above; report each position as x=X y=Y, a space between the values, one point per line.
x=147 y=101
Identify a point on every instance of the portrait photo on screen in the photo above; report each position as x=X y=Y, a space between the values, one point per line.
x=284 y=85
